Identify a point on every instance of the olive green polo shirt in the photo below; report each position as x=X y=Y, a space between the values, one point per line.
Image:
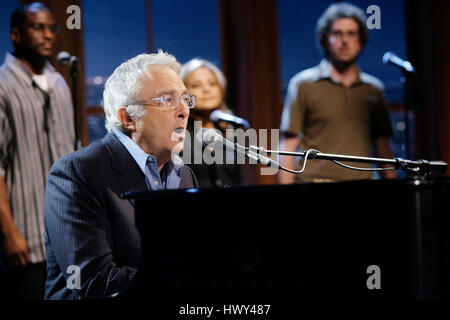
x=336 y=119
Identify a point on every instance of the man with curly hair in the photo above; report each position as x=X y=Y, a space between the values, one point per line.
x=335 y=107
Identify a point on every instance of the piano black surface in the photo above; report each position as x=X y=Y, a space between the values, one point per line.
x=304 y=241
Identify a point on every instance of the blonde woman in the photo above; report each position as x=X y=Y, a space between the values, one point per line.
x=204 y=80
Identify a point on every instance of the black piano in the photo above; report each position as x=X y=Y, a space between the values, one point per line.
x=382 y=240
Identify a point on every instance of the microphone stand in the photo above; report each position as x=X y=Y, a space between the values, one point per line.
x=73 y=76
x=422 y=167
x=407 y=81
x=408 y=87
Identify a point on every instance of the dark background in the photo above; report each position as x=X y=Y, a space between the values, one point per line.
x=260 y=45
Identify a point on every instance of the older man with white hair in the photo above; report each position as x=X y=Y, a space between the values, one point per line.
x=88 y=226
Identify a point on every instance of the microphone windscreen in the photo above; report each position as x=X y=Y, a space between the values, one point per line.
x=207 y=136
x=63 y=58
x=215 y=115
x=387 y=57
x=218 y=115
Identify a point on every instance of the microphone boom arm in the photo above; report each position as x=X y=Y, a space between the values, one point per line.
x=419 y=166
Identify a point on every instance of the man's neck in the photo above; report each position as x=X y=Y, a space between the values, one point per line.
x=36 y=65
x=160 y=166
x=161 y=161
x=161 y=158
x=345 y=73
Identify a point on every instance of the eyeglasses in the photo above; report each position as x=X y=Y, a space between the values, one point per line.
x=352 y=35
x=170 y=101
x=40 y=27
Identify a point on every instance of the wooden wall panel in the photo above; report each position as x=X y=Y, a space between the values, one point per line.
x=250 y=57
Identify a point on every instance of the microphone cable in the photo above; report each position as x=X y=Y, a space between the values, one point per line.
x=314 y=152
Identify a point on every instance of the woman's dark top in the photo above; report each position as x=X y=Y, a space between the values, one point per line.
x=213 y=175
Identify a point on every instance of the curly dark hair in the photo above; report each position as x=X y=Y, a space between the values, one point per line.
x=335 y=12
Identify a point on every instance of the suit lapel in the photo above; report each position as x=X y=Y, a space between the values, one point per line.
x=131 y=177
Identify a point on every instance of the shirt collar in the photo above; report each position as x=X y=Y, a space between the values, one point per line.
x=324 y=70
x=19 y=68
x=140 y=156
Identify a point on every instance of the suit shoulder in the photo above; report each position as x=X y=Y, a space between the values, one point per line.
x=93 y=156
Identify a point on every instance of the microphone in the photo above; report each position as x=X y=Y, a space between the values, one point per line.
x=218 y=116
x=391 y=58
x=65 y=59
x=211 y=138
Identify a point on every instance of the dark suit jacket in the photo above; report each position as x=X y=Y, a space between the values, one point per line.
x=88 y=225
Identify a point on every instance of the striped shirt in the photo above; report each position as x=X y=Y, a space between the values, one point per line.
x=36 y=128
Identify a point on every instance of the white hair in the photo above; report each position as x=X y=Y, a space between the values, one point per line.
x=123 y=87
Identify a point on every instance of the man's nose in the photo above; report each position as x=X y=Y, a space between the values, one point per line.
x=48 y=33
x=183 y=110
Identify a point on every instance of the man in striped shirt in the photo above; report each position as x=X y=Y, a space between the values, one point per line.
x=36 y=128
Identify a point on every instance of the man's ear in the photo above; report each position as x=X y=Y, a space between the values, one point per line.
x=15 y=35
x=127 y=122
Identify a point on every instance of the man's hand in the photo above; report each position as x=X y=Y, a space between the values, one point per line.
x=14 y=244
x=16 y=249
x=288 y=143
